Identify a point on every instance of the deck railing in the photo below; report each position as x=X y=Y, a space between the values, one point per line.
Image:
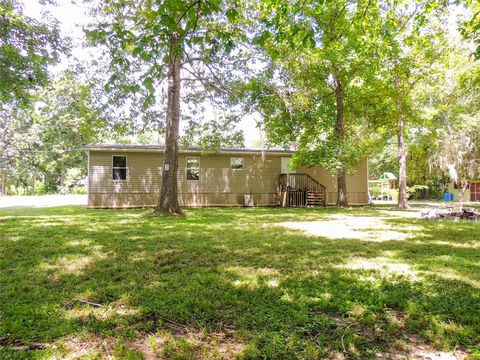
x=298 y=188
x=298 y=181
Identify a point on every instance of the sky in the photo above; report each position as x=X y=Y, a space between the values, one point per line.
x=72 y=17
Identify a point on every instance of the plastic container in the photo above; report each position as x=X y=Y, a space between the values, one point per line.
x=447 y=196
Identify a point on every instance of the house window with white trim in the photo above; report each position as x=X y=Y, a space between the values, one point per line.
x=193 y=168
x=236 y=163
x=119 y=166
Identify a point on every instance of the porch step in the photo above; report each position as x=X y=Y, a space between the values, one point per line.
x=315 y=197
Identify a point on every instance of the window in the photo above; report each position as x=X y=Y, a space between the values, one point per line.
x=193 y=169
x=119 y=168
x=236 y=163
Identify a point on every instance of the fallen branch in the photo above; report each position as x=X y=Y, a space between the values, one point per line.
x=93 y=304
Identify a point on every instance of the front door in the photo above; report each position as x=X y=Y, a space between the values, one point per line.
x=285 y=166
x=475 y=191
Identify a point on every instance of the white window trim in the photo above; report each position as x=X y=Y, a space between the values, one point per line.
x=243 y=163
x=186 y=167
x=126 y=168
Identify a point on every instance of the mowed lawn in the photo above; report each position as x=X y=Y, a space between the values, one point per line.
x=226 y=283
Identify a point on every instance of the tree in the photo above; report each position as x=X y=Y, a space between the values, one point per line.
x=323 y=57
x=452 y=106
x=409 y=54
x=459 y=153
x=154 y=42
x=67 y=119
x=211 y=135
x=432 y=63
x=48 y=137
x=16 y=134
x=27 y=47
x=470 y=28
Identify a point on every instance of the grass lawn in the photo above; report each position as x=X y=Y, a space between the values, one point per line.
x=226 y=283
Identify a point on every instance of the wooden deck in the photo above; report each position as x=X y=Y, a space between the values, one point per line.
x=301 y=190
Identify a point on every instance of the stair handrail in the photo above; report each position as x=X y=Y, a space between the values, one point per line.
x=284 y=181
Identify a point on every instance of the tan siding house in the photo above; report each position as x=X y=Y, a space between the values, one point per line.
x=123 y=176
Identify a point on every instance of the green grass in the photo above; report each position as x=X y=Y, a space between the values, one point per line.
x=232 y=282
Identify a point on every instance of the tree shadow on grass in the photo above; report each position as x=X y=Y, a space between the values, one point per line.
x=279 y=292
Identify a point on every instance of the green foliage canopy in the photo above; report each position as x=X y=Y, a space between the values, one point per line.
x=27 y=47
x=137 y=39
x=315 y=47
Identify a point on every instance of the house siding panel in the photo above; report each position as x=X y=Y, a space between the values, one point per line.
x=357 y=182
x=218 y=184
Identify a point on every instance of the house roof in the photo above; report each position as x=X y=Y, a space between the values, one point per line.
x=189 y=149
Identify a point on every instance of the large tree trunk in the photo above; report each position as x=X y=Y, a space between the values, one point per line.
x=342 y=200
x=168 y=202
x=402 y=165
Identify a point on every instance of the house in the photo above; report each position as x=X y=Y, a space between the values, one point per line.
x=123 y=176
x=472 y=192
